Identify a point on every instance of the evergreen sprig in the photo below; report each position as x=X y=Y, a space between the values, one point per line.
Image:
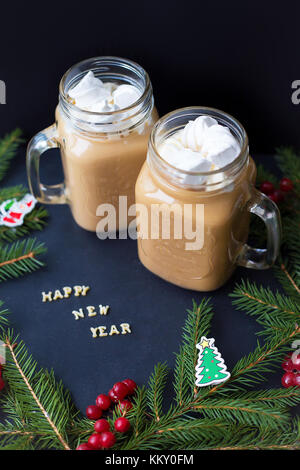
x=35 y=402
x=20 y=258
x=34 y=220
x=157 y=382
x=8 y=149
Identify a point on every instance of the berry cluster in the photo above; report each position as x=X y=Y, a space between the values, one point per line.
x=103 y=437
x=277 y=195
x=2 y=383
x=291 y=366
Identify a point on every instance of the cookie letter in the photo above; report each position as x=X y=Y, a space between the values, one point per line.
x=57 y=295
x=91 y=311
x=67 y=291
x=125 y=328
x=113 y=330
x=94 y=331
x=47 y=296
x=103 y=309
x=102 y=331
x=77 y=291
x=78 y=314
x=84 y=290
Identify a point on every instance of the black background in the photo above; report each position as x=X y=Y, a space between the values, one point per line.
x=237 y=56
x=241 y=57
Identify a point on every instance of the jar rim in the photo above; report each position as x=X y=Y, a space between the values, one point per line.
x=206 y=111
x=115 y=61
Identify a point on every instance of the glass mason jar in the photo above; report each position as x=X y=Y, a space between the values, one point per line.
x=212 y=212
x=102 y=153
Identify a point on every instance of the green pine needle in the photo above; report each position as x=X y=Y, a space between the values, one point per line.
x=8 y=149
x=157 y=382
x=20 y=258
x=12 y=192
x=45 y=406
x=264 y=175
x=34 y=220
x=268 y=307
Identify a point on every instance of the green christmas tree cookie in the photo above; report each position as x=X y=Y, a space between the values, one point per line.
x=210 y=369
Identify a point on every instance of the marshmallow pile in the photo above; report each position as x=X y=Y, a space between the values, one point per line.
x=91 y=94
x=202 y=145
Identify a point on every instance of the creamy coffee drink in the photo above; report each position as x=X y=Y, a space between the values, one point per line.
x=98 y=169
x=198 y=172
x=103 y=121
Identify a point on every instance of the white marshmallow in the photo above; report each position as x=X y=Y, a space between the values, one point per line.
x=193 y=135
x=91 y=94
x=88 y=91
x=220 y=146
x=186 y=160
x=126 y=95
x=202 y=145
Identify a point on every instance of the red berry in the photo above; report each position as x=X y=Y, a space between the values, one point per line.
x=101 y=425
x=93 y=412
x=295 y=361
x=113 y=396
x=107 y=439
x=103 y=401
x=267 y=187
x=125 y=405
x=122 y=425
x=120 y=390
x=287 y=379
x=286 y=185
x=131 y=385
x=2 y=383
x=84 y=446
x=276 y=196
x=288 y=365
x=296 y=382
x=94 y=441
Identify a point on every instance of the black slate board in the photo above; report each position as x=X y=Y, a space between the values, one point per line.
x=155 y=309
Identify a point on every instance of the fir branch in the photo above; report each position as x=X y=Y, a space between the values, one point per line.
x=12 y=192
x=264 y=175
x=139 y=409
x=263 y=303
x=181 y=386
x=289 y=278
x=3 y=317
x=289 y=163
x=45 y=405
x=8 y=148
x=196 y=325
x=249 y=370
x=254 y=439
x=282 y=397
x=242 y=411
x=185 y=432
x=157 y=382
x=35 y=220
x=20 y=258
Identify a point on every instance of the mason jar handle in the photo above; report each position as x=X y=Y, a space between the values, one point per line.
x=44 y=140
x=267 y=210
